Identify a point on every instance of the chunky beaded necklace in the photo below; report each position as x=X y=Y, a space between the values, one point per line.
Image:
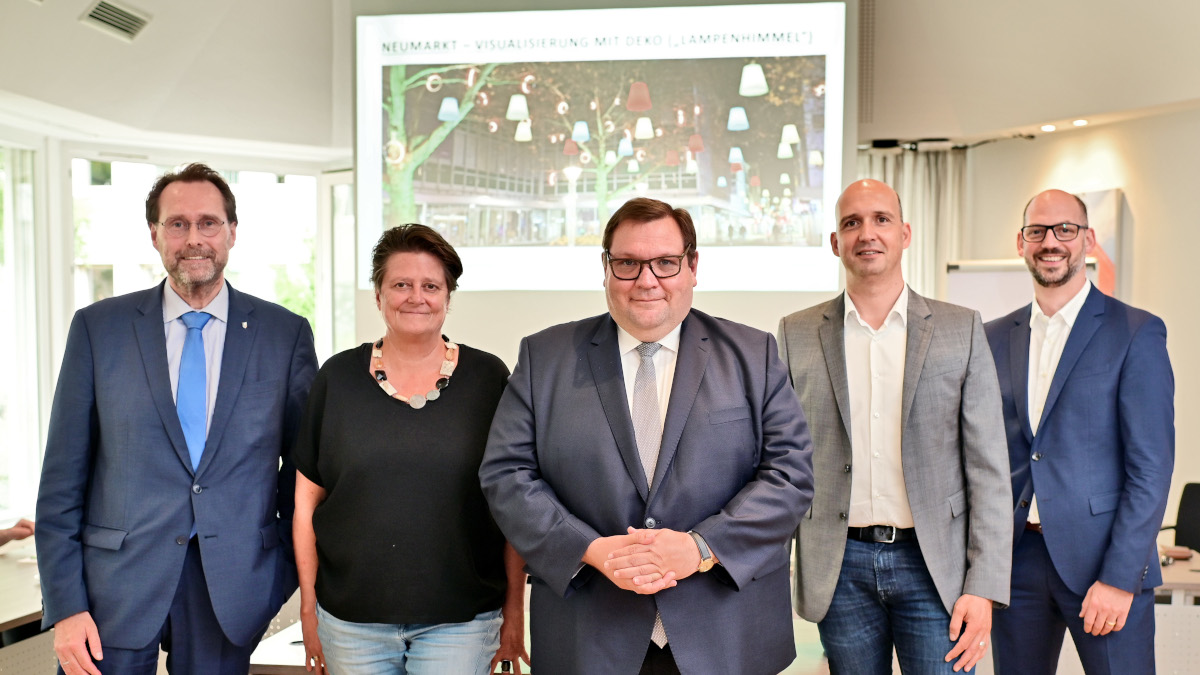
x=417 y=401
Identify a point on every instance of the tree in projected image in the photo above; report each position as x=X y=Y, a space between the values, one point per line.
x=407 y=146
x=601 y=129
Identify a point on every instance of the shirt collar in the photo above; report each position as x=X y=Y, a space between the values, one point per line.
x=899 y=309
x=627 y=343
x=1069 y=312
x=175 y=306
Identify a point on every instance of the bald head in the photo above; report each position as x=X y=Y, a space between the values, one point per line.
x=869 y=187
x=1057 y=201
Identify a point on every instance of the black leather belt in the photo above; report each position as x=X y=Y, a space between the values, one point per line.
x=1033 y=527
x=881 y=534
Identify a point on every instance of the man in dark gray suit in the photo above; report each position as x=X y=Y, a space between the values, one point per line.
x=650 y=464
x=164 y=514
x=907 y=543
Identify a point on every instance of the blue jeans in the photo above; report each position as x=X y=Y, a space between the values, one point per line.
x=409 y=648
x=884 y=598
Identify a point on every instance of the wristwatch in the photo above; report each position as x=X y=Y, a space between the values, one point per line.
x=706 y=557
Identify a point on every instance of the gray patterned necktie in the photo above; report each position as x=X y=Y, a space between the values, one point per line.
x=647 y=429
x=647 y=422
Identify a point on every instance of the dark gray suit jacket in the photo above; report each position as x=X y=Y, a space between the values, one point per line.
x=562 y=468
x=953 y=452
x=118 y=496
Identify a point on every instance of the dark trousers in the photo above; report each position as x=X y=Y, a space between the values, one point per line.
x=191 y=636
x=659 y=661
x=1027 y=637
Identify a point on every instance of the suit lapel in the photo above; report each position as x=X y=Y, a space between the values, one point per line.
x=1018 y=363
x=689 y=372
x=1086 y=324
x=152 y=343
x=920 y=334
x=604 y=357
x=236 y=355
x=832 y=334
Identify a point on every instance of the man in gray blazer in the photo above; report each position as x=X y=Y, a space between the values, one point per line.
x=651 y=464
x=908 y=540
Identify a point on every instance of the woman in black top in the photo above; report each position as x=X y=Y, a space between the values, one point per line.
x=402 y=569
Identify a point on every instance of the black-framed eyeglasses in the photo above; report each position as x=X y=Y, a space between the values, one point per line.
x=1062 y=232
x=628 y=269
x=177 y=228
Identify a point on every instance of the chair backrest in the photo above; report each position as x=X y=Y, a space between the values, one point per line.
x=1187 y=522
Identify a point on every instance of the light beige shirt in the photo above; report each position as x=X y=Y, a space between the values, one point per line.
x=1047 y=337
x=875 y=376
x=664 y=366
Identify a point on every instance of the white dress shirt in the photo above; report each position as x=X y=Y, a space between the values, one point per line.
x=664 y=366
x=875 y=376
x=214 y=339
x=1047 y=337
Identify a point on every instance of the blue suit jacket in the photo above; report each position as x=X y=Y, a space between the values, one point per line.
x=1102 y=458
x=561 y=468
x=118 y=496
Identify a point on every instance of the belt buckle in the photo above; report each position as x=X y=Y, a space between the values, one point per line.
x=892 y=540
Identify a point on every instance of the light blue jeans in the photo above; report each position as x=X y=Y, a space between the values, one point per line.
x=410 y=648
x=884 y=598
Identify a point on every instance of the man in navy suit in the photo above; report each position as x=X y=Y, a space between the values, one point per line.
x=1088 y=398
x=164 y=511
x=651 y=464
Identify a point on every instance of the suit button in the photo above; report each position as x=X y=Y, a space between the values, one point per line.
x=181 y=540
x=1037 y=456
x=650 y=523
x=842 y=515
x=197 y=489
x=1024 y=503
x=847 y=469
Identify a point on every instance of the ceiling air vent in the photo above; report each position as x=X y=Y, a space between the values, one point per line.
x=116 y=20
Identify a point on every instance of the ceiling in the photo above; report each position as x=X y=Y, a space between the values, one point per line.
x=280 y=71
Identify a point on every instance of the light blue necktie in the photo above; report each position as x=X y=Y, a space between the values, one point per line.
x=191 y=396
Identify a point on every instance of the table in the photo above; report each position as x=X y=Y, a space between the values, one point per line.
x=280 y=654
x=20 y=595
x=1182 y=580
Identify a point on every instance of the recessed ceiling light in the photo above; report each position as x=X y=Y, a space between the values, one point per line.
x=1048 y=128
x=1080 y=123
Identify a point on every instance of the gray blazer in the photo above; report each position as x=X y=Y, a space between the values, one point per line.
x=561 y=468
x=953 y=450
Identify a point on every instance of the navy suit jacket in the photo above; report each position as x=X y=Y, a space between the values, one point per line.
x=118 y=496
x=1101 y=462
x=561 y=469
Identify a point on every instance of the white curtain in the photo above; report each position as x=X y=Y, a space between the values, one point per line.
x=931 y=185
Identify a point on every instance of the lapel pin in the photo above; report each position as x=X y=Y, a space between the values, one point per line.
x=244 y=324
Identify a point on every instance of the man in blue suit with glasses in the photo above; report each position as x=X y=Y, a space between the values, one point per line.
x=1088 y=397
x=164 y=513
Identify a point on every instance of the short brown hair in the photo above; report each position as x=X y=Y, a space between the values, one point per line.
x=643 y=210
x=192 y=173
x=415 y=238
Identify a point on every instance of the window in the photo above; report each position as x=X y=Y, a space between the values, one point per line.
x=19 y=448
x=274 y=257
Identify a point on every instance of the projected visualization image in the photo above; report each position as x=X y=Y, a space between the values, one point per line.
x=518 y=149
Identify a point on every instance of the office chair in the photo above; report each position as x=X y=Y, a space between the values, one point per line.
x=1187 y=521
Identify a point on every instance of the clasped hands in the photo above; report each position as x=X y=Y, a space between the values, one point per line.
x=644 y=561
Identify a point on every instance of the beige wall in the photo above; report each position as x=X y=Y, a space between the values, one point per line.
x=1153 y=160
